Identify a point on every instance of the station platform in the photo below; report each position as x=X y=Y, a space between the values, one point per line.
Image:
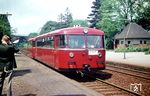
x=32 y=78
x=135 y=59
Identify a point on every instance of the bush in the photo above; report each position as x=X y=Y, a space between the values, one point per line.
x=145 y=49
x=147 y=52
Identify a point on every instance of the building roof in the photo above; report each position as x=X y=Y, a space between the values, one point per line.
x=133 y=31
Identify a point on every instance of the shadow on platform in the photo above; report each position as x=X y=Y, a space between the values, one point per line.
x=21 y=72
x=28 y=95
x=71 y=95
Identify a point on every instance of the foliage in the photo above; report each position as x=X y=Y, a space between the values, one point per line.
x=147 y=52
x=108 y=22
x=114 y=15
x=83 y=23
x=145 y=49
x=31 y=35
x=49 y=26
x=53 y=25
x=4 y=24
x=126 y=9
x=94 y=17
x=64 y=20
x=143 y=14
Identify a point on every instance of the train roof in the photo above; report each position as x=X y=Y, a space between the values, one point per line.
x=77 y=30
x=32 y=39
x=72 y=30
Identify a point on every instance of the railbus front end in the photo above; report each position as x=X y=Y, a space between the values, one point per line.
x=80 y=50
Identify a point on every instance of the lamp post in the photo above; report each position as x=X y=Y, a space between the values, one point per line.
x=124 y=55
x=125 y=40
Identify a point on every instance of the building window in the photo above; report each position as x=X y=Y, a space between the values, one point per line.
x=121 y=42
x=144 y=42
x=140 y=41
x=129 y=42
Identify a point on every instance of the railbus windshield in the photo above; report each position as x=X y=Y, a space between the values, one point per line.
x=82 y=41
x=76 y=41
x=94 y=41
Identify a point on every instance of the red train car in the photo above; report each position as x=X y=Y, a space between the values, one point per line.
x=70 y=49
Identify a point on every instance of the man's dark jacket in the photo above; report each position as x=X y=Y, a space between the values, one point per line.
x=7 y=56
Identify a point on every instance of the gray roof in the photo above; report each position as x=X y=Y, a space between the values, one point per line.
x=133 y=30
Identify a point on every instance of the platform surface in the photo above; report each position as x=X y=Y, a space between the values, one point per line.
x=131 y=58
x=34 y=79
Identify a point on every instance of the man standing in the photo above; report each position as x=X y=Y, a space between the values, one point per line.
x=6 y=58
x=2 y=61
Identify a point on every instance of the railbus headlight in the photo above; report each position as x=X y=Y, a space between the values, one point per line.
x=99 y=54
x=85 y=31
x=71 y=54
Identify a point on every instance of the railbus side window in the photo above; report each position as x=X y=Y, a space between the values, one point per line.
x=30 y=44
x=62 y=43
x=39 y=42
x=50 y=42
x=33 y=43
x=45 y=42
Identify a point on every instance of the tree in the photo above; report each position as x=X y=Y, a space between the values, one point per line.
x=49 y=26
x=143 y=12
x=115 y=14
x=135 y=11
x=94 y=17
x=4 y=24
x=34 y=34
x=127 y=8
x=108 y=21
x=68 y=17
x=61 y=21
x=64 y=20
x=83 y=23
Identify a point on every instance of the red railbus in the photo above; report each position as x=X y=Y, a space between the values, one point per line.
x=70 y=49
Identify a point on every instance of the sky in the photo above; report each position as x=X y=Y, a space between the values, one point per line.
x=30 y=15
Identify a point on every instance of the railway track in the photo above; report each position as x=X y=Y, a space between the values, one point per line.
x=135 y=73
x=119 y=83
x=129 y=67
x=107 y=88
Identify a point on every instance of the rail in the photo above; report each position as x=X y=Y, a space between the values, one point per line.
x=115 y=86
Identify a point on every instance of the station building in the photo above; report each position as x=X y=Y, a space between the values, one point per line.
x=132 y=34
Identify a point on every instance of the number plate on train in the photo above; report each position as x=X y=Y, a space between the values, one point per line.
x=93 y=52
